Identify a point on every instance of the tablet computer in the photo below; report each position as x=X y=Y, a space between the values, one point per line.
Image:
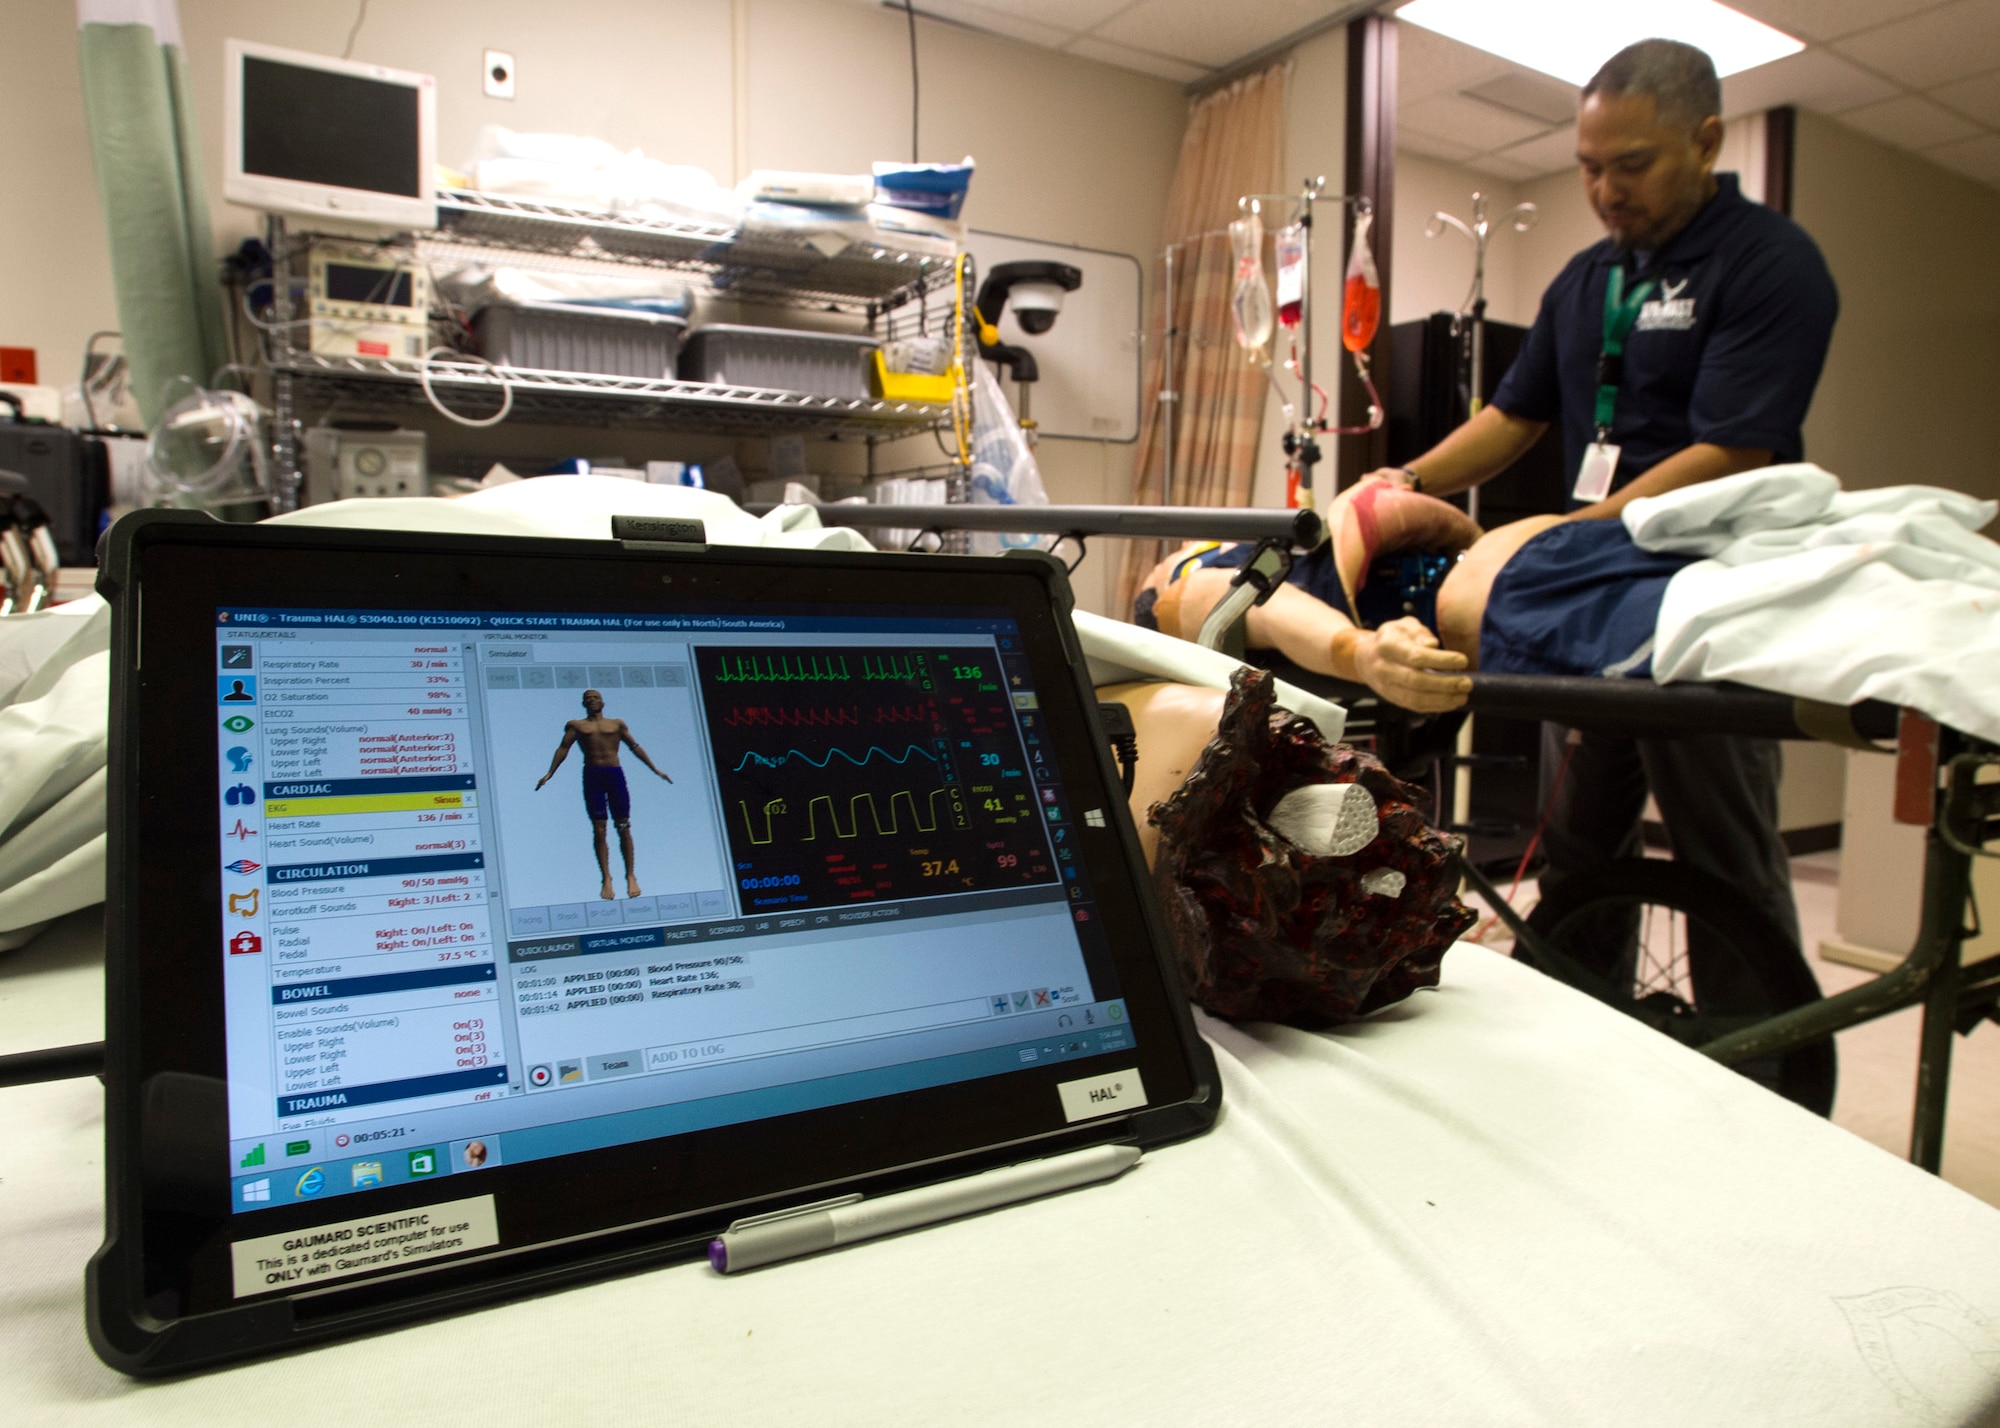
x=486 y=913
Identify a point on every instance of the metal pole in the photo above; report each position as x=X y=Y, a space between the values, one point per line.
x=285 y=477
x=1168 y=395
x=1934 y=1062
x=1478 y=369
x=1308 y=193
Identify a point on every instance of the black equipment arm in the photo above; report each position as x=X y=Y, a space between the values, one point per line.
x=1302 y=529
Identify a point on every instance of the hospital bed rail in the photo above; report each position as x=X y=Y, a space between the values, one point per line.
x=1300 y=530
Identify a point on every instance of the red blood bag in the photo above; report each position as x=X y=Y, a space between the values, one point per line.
x=1361 y=300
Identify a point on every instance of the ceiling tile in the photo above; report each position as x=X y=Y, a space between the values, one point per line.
x=1125 y=57
x=1828 y=19
x=1500 y=166
x=1428 y=63
x=1935 y=47
x=1204 y=32
x=1430 y=145
x=1549 y=154
x=1470 y=121
x=1072 y=16
x=1525 y=92
x=997 y=21
x=1975 y=158
x=1813 y=79
x=1911 y=122
x=1978 y=98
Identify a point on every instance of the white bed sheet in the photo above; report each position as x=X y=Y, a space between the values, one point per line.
x=1496 y=1203
x=1832 y=595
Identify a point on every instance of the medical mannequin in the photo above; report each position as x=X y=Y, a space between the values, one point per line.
x=605 y=796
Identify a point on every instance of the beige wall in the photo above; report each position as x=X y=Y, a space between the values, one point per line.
x=1878 y=912
x=1564 y=227
x=1434 y=274
x=1908 y=393
x=1069 y=150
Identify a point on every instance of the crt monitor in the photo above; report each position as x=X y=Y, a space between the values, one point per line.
x=330 y=139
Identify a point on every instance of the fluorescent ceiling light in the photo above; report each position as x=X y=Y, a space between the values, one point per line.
x=1571 y=38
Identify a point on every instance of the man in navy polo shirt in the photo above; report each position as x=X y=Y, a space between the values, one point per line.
x=1682 y=348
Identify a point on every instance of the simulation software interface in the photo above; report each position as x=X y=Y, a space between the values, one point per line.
x=498 y=887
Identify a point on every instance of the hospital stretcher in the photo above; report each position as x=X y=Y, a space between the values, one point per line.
x=1938 y=779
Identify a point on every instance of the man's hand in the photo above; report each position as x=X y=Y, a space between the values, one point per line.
x=1403 y=663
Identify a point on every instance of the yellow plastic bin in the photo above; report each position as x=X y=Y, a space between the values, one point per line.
x=909 y=386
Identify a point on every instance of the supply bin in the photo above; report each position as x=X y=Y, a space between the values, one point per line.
x=822 y=364
x=574 y=337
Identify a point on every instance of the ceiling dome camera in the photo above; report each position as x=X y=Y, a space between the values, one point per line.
x=1036 y=305
x=1034 y=289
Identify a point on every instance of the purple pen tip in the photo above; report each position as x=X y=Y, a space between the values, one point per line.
x=718 y=1255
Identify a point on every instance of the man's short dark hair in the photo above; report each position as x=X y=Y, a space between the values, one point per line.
x=1680 y=78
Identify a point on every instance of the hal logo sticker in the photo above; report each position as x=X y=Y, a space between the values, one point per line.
x=1104 y=1095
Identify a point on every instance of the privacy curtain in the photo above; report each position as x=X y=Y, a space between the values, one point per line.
x=1233 y=146
x=140 y=110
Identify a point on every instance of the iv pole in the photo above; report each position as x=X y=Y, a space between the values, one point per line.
x=1477 y=232
x=1302 y=447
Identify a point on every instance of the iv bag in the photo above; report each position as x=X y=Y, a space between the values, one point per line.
x=1291 y=273
x=1361 y=300
x=1251 y=301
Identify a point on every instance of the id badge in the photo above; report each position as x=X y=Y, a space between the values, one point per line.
x=1593 y=478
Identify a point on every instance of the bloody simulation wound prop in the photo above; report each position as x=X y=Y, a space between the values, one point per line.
x=1301 y=884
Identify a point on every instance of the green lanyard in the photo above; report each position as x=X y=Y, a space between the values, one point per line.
x=1620 y=312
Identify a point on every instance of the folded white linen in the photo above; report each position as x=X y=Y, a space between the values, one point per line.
x=54 y=678
x=1831 y=595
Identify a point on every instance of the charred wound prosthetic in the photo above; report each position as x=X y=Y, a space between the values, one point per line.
x=1280 y=905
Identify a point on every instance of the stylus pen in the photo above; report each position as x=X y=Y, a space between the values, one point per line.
x=764 y=1239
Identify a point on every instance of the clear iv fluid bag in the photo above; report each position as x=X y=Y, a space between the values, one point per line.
x=1291 y=273
x=1251 y=301
x=1361 y=297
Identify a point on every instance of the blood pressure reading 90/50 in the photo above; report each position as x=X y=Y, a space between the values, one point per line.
x=857 y=774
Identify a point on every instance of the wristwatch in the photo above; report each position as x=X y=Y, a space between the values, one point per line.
x=1416 y=481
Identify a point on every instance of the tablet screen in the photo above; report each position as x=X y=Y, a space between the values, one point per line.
x=504 y=886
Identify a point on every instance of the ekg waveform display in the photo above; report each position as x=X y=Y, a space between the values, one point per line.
x=855 y=774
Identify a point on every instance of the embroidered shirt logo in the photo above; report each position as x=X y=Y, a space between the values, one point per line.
x=1669 y=312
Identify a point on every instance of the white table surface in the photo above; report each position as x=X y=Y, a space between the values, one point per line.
x=1496 y=1203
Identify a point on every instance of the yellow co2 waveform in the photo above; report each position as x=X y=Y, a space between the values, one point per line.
x=777 y=808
